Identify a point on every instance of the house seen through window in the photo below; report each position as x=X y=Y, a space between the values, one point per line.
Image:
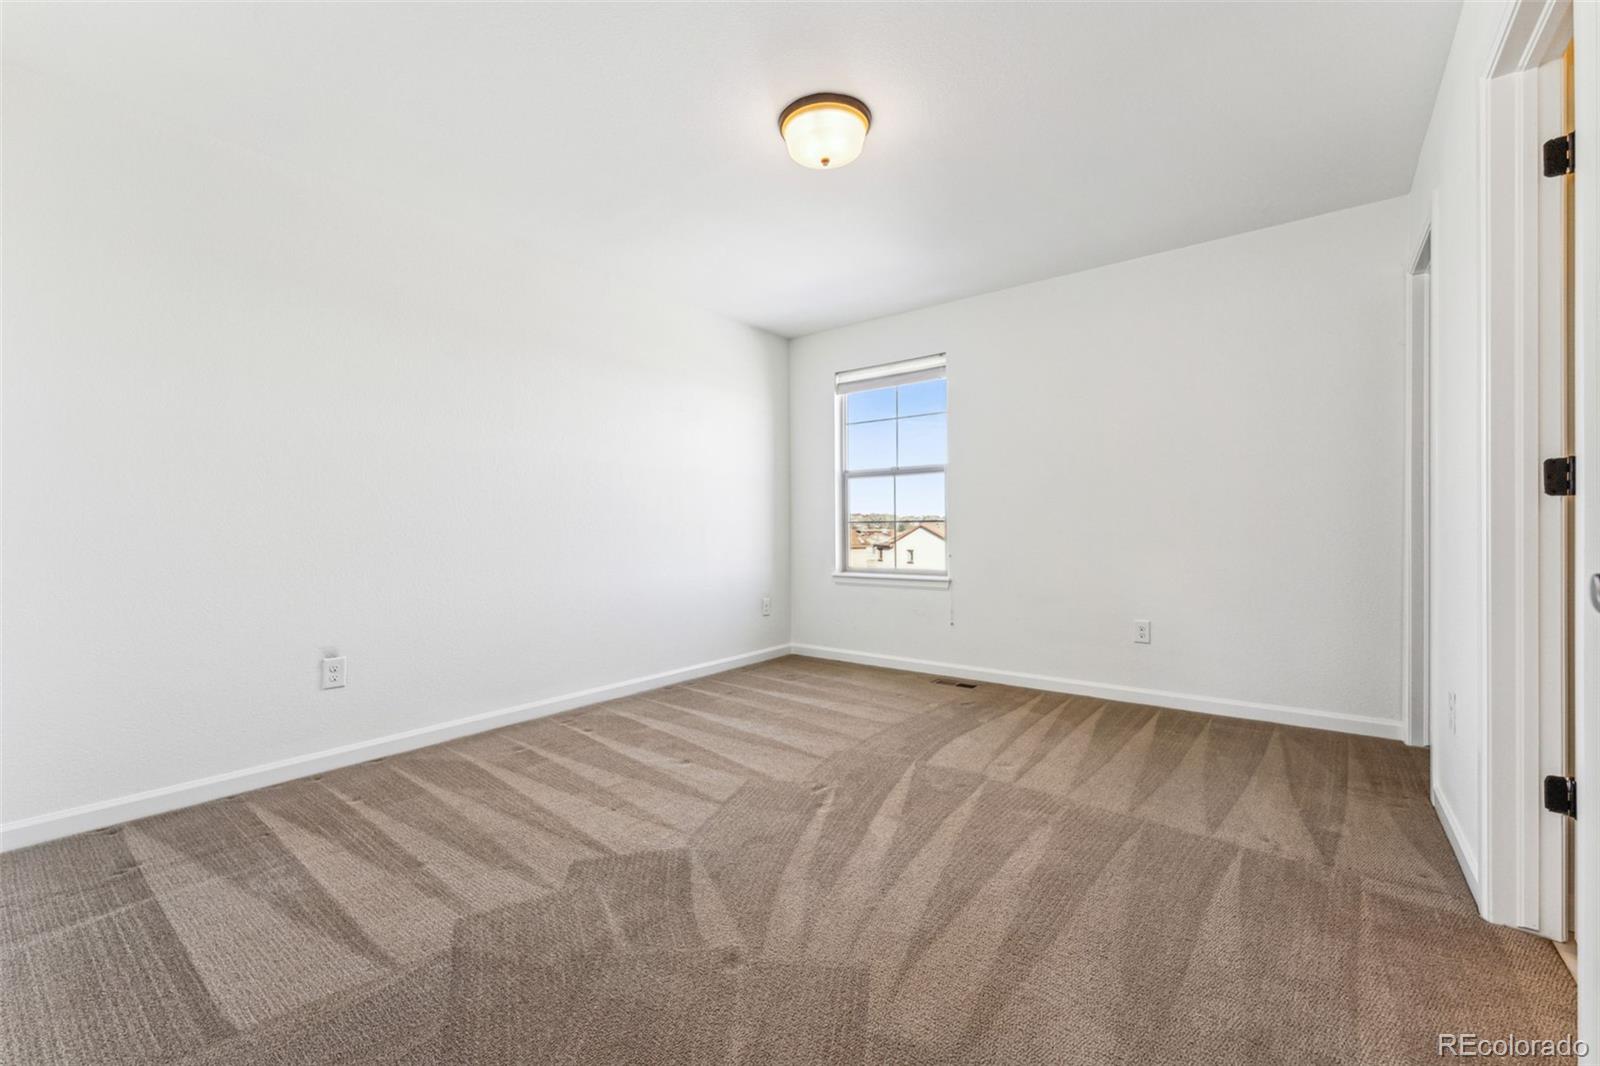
x=893 y=453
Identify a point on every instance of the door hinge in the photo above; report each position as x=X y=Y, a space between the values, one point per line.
x=1559 y=156
x=1561 y=795
x=1560 y=476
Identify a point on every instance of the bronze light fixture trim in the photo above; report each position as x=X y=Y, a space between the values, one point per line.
x=825 y=131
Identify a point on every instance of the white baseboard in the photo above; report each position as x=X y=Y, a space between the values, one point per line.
x=40 y=828
x=1465 y=857
x=1388 y=728
x=43 y=827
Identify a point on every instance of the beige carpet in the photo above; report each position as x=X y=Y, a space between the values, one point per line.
x=799 y=862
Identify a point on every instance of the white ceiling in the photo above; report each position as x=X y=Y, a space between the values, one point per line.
x=1011 y=142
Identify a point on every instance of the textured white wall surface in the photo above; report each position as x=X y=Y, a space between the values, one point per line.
x=249 y=420
x=1447 y=181
x=1209 y=438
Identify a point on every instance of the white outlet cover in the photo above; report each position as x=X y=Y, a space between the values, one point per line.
x=333 y=672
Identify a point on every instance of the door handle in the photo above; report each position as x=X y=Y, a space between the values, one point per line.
x=1594 y=591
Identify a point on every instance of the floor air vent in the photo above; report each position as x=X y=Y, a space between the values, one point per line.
x=953 y=682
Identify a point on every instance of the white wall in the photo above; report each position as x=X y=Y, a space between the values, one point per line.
x=247 y=420
x=1447 y=182
x=1209 y=438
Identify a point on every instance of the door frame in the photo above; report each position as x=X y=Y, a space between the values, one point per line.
x=1523 y=868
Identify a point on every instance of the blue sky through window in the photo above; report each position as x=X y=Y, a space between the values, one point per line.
x=899 y=426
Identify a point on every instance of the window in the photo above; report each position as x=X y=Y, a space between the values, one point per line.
x=892 y=424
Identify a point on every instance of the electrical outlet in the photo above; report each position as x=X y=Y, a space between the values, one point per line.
x=333 y=672
x=1451 y=701
x=1141 y=630
x=766 y=605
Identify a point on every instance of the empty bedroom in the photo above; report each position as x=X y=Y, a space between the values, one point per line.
x=918 y=533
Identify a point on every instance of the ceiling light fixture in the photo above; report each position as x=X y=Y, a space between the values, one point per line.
x=825 y=131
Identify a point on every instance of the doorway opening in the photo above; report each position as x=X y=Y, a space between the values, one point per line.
x=1419 y=347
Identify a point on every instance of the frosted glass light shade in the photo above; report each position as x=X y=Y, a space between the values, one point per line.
x=825 y=131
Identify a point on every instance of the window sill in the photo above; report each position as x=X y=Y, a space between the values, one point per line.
x=922 y=581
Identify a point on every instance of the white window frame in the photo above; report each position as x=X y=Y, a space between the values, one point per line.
x=887 y=375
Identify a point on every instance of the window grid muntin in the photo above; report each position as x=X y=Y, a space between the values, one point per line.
x=894 y=473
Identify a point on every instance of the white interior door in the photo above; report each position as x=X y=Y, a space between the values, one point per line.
x=1586 y=320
